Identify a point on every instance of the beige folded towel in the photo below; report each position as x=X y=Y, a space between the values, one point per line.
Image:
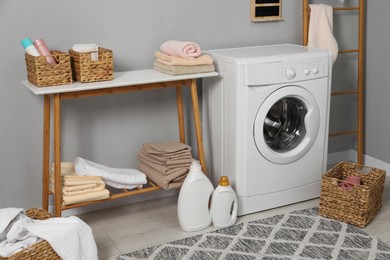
x=76 y=185
x=182 y=70
x=161 y=167
x=81 y=180
x=177 y=61
x=171 y=181
x=82 y=189
x=91 y=196
x=166 y=148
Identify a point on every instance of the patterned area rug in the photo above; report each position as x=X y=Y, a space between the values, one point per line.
x=298 y=235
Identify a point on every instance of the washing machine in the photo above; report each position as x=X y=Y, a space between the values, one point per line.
x=265 y=123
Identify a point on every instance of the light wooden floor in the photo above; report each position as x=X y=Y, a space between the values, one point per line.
x=131 y=227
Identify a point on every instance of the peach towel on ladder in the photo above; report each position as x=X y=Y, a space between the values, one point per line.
x=321 y=29
x=187 y=50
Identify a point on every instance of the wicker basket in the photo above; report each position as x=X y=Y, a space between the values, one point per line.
x=40 y=250
x=86 y=70
x=42 y=74
x=357 y=206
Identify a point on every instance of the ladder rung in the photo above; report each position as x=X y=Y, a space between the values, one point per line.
x=357 y=8
x=344 y=133
x=345 y=92
x=349 y=51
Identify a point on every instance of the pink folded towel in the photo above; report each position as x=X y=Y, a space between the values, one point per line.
x=349 y=182
x=187 y=50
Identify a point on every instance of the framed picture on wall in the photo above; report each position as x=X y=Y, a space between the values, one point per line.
x=266 y=10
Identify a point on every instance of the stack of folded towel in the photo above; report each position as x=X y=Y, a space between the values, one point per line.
x=177 y=58
x=78 y=189
x=167 y=164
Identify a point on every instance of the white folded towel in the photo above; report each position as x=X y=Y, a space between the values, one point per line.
x=321 y=29
x=88 y=47
x=115 y=177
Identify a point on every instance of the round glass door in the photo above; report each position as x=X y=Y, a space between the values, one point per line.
x=286 y=124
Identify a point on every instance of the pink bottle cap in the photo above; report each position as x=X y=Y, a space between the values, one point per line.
x=39 y=42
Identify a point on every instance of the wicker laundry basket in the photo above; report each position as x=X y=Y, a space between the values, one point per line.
x=40 y=250
x=357 y=206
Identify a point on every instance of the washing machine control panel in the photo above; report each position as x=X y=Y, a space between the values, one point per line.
x=305 y=69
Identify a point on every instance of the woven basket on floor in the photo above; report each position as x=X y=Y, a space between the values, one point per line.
x=40 y=250
x=87 y=70
x=357 y=206
x=42 y=74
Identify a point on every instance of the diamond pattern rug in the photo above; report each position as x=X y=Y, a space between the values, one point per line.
x=301 y=234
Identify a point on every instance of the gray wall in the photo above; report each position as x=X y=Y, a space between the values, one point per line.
x=110 y=129
x=377 y=80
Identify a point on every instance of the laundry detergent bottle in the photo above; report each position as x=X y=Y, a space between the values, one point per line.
x=193 y=204
x=224 y=204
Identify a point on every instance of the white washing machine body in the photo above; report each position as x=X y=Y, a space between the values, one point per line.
x=265 y=123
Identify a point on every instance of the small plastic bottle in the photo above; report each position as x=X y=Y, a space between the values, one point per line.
x=224 y=204
x=29 y=47
x=44 y=51
x=193 y=204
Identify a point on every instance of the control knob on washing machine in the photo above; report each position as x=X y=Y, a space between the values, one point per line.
x=290 y=73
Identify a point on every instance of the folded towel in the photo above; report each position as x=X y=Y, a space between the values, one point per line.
x=161 y=167
x=67 y=169
x=111 y=176
x=166 y=148
x=171 y=181
x=182 y=70
x=88 y=47
x=86 y=197
x=187 y=50
x=321 y=29
x=77 y=186
x=81 y=180
x=177 y=61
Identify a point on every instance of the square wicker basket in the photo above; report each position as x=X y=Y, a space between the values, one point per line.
x=87 y=70
x=40 y=250
x=357 y=206
x=42 y=74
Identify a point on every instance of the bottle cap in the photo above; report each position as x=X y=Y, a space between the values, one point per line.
x=39 y=42
x=26 y=42
x=224 y=181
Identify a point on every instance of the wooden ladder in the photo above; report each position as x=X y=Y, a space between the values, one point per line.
x=359 y=90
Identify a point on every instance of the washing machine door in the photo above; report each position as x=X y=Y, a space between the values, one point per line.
x=286 y=124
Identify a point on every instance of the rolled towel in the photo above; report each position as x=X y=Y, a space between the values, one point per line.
x=110 y=175
x=349 y=182
x=204 y=59
x=187 y=50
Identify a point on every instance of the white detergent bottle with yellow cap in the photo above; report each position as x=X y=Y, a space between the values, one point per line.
x=193 y=204
x=224 y=204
